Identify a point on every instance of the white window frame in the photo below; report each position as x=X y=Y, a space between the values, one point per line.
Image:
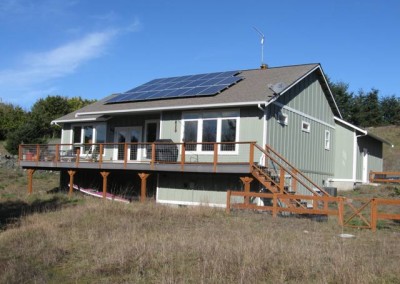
x=82 y=136
x=200 y=119
x=305 y=126
x=327 y=140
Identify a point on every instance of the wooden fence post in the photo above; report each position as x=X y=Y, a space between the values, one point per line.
x=246 y=181
x=228 y=202
x=143 y=186
x=373 y=214
x=274 y=205
x=341 y=211
x=215 y=157
x=30 y=180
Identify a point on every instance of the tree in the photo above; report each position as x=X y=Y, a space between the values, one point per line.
x=76 y=103
x=11 y=117
x=46 y=110
x=343 y=98
x=391 y=110
x=29 y=133
x=366 y=109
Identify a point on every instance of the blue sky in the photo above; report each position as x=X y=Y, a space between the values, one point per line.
x=95 y=48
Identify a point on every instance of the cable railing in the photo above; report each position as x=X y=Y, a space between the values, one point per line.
x=206 y=153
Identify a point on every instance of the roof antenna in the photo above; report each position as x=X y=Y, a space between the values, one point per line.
x=263 y=65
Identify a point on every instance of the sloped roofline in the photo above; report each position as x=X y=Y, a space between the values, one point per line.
x=364 y=132
x=218 y=105
x=318 y=67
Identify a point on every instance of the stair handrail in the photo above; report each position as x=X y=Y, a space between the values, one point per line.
x=293 y=168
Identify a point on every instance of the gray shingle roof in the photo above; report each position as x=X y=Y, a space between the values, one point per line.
x=252 y=90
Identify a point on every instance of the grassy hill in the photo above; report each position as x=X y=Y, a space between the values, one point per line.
x=391 y=155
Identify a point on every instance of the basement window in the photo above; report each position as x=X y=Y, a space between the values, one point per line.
x=305 y=126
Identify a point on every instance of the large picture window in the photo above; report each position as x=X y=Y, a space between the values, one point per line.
x=208 y=128
x=85 y=135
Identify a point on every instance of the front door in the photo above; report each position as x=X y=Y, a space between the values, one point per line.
x=128 y=135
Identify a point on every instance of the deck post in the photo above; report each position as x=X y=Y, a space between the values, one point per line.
x=153 y=155
x=246 y=182
x=104 y=175
x=71 y=181
x=57 y=156
x=101 y=150
x=125 y=154
x=30 y=178
x=143 y=188
x=251 y=157
x=183 y=157
x=215 y=161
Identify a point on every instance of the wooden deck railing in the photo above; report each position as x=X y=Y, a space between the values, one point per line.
x=367 y=212
x=211 y=153
x=384 y=177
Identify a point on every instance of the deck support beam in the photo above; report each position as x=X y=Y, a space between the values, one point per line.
x=71 y=181
x=104 y=175
x=246 y=182
x=30 y=178
x=143 y=186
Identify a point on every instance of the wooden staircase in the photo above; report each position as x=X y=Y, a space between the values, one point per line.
x=273 y=173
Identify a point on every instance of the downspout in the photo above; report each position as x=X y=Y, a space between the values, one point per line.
x=264 y=110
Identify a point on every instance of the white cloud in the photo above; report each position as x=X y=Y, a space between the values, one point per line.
x=37 y=71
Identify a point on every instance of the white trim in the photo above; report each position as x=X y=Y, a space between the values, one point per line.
x=343 y=179
x=327 y=140
x=303 y=114
x=350 y=125
x=176 y=202
x=305 y=129
x=355 y=148
x=222 y=105
x=265 y=127
x=200 y=120
x=161 y=124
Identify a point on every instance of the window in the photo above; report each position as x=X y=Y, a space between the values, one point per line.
x=88 y=134
x=305 y=126
x=208 y=128
x=327 y=140
x=190 y=134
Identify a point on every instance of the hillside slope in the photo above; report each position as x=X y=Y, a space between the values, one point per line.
x=391 y=156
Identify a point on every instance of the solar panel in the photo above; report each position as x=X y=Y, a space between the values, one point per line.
x=176 y=87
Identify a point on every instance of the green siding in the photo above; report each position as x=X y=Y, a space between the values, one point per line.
x=66 y=134
x=344 y=152
x=171 y=126
x=375 y=154
x=304 y=150
x=308 y=97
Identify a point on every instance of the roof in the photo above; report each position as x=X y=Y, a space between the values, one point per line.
x=252 y=90
x=363 y=131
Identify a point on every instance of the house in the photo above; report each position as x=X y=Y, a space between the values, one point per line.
x=187 y=140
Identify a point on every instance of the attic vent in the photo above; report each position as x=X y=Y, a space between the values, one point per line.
x=277 y=88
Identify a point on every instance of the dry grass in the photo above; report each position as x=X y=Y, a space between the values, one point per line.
x=101 y=242
x=105 y=242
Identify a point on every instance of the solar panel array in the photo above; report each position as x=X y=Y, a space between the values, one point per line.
x=179 y=87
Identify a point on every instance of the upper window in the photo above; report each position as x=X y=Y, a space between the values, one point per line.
x=327 y=140
x=305 y=126
x=88 y=134
x=206 y=129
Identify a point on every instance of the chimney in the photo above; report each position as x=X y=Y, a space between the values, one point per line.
x=264 y=66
